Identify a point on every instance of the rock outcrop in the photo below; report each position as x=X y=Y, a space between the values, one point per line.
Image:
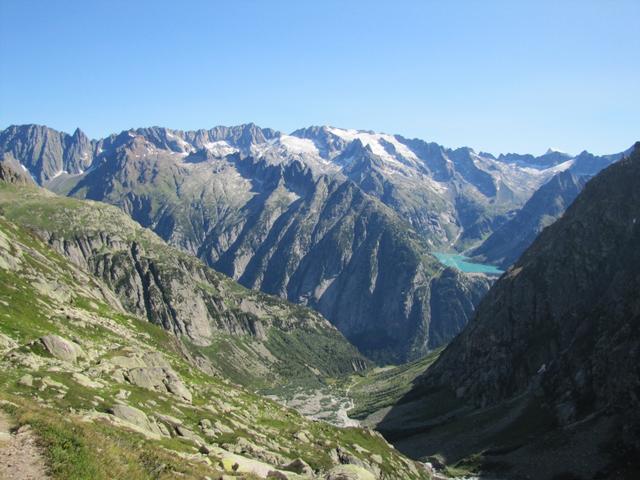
x=546 y=205
x=62 y=348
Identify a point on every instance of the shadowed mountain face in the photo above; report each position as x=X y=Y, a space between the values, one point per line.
x=340 y=220
x=507 y=243
x=546 y=377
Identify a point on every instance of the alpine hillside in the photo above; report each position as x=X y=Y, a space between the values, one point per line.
x=110 y=395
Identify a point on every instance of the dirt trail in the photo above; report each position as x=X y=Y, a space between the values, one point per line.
x=20 y=457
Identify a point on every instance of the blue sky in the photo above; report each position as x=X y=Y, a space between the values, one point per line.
x=500 y=76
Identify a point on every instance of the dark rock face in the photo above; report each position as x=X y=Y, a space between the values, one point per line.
x=572 y=290
x=507 y=242
x=46 y=152
x=505 y=245
x=558 y=338
x=454 y=297
x=11 y=172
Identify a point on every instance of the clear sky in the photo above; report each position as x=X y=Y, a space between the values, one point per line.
x=500 y=76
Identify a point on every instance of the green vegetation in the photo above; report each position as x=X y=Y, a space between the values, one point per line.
x=70 y=406
x=78 y=450
x=258 y=340
x=384 y=386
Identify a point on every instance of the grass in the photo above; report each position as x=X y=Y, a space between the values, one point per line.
x=383 y=387
x=41 y=292
x=76 y=450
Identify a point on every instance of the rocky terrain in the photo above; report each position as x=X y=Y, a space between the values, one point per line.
x=545 y=378
x=504 y=246
x=342 y=221
x=338 y=220
x=256 y=339
x=109 y=394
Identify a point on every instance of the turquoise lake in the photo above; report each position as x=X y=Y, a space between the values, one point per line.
x=465 y=264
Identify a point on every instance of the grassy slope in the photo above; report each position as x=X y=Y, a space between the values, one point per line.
x=382 y=387
x=300 y=352
x=41 y=293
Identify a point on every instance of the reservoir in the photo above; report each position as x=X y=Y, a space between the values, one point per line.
x=464 y=264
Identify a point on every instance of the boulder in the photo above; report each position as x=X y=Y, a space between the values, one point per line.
x=233 y=463
x=184 y=432
x=299 y=466
x=175 y=386
x=277 y=475
x=159 y=379
x=149 y=378
x=85 y=381
x=349 y=472
x=61 y=348
x=134 y=417
x=222 y=427
x=168 y=420
x=6 y=343
x=123 y=394
x=125 y=362
x=302 y=435
x=26 y=380
x=48 y=382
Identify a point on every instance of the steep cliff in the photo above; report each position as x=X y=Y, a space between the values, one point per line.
x=505 y=245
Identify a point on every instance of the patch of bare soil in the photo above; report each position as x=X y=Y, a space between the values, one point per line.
x=20 y=456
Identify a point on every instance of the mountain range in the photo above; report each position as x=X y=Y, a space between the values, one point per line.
x=196 y=282
x=342 y=221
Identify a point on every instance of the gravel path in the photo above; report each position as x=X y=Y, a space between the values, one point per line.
x=20 y=457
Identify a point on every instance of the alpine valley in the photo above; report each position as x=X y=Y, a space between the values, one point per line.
x=341 y=221
x=243 y=303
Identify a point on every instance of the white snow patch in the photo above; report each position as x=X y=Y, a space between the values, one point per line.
x=561 y=167
x=220 y=148
x=299 y=145
x=184 y=146
x=398 y=161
